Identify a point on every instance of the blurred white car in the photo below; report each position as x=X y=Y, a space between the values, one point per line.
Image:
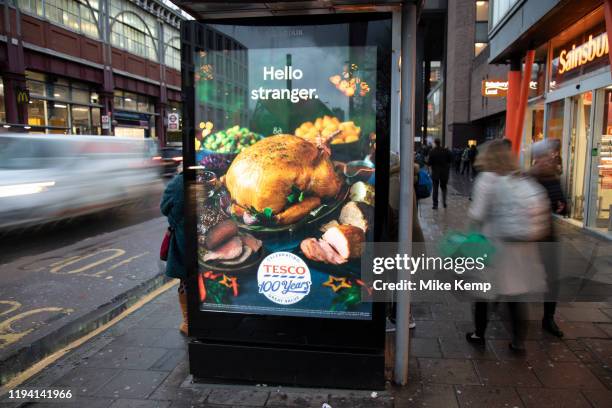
x=47 y=178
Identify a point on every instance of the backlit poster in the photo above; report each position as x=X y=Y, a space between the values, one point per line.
x=284 y=148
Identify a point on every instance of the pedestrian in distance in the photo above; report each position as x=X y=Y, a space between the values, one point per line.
x=440 y=160
x=172 y=204
x=457 y=160
x=472 y=153
x=465 y=161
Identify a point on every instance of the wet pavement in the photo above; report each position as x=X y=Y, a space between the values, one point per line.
x=141 y=361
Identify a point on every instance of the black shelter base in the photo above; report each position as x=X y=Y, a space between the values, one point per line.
x=257 y=364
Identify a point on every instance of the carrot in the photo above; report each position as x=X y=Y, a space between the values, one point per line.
x=201 y=287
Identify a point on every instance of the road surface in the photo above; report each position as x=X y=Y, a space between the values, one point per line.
x=63 y=274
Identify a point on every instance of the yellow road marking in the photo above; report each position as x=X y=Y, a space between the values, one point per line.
x=115 y=253
x=9 y=336
x=14 y=305
x=118 y=264
x=36 y=368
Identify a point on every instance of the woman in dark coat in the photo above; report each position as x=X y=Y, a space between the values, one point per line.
x=546 y=169
x=171 y=206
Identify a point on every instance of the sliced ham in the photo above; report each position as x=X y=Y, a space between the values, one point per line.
x=347 y=240
x=320 y=251
x=250 y=241
x=220 y=233
x=313 y=251
x=229 y=250
x=331 y=255
x=246 y=252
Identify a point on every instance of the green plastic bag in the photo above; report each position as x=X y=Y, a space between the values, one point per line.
x=471 y=244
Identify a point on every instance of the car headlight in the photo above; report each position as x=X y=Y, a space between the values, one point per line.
x=25 y=189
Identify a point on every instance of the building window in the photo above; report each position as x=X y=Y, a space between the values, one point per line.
x=172 y=47
x=74 y=14
x=80 y=120
x=134 y=30
x=499 y=10
x=31 y=6
x=133 y=102
x=57 y=115
x=481 y=28
x=36 y=113
x=61 y=106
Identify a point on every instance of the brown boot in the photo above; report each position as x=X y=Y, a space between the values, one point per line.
x=182 y=295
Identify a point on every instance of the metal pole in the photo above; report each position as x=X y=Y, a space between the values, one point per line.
x=402 y=335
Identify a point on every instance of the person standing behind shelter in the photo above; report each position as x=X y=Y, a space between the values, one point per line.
x=472 y=153
x=465 y=161
x=440 y=160
x=172 y=204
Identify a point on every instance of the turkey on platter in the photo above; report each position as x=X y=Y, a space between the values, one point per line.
x=265 y=176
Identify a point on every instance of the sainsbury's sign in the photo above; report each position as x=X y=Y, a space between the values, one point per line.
x=592 y=49
x=499 y=88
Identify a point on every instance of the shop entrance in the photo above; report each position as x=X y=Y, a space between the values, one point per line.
x=578 y=141
x=533 y=132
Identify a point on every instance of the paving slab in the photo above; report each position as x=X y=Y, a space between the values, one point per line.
x=138 y=384
x=447 y=371
x=426 y=395
x=487 y=396
x=552 y=398
x=506 y=374
x=599 y=398
x=565 y=375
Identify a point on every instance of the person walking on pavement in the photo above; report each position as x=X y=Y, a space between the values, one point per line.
x=172 y=204
x=545 y=169
x=440 y=160
x=517 y=269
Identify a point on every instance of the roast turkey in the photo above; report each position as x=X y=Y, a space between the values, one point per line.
x=266 y=173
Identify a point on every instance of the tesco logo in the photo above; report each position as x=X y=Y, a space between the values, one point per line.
x=284 y=269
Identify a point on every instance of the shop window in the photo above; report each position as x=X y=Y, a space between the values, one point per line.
x=554 y=120
x=601 y=176
x=144 y=105
x=95 y=121
x=36 y=113
x=2 y=105
x=130 y=101
x=55 y=91
x=36 y=88
x=80 y=120
x=80 y=95
x=57 y=114
x=118 y=100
